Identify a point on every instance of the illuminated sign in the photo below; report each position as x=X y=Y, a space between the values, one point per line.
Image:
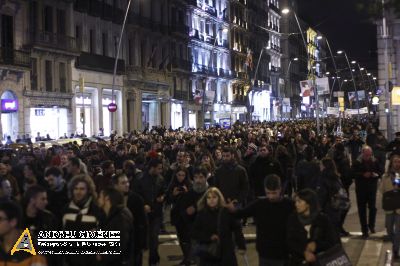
x=9 y=105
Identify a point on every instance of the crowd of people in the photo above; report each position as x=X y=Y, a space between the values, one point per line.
x=291 y=181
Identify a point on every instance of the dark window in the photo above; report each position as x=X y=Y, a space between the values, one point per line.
x=104 y=40
x=34 y=74
x=33 y=16
x=143 y=54
x=91 y=42
x=63 y=77
x=49 y=76
x=130 y=52
x=7 y=35
x=78 y=37
x=61 y=22
x=48 y=19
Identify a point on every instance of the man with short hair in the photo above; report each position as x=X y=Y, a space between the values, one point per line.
x=103 y=179
x=57 y=193
x=152 y=189
x=10 y=231
x=118 y=218
x=135 y=204
x=366 y=173
x=270 y=215
x=184 y=212
x=231 y=178
x=265 y=164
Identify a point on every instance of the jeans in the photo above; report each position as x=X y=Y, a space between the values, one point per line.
x=154 y=231
x=392 y=223
x=271 y=262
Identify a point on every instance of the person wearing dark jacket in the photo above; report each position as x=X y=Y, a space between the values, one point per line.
x=184 y=212
x=329 y=184
x=231 y=178
x=135 y=204
x=344 y=169
x=307 y=170
x=81 y=213
x=152 y=189
x=36 y=218
x=118 y=218
x=270 y=215
x=264 y=165
x=57 y=193
x=309 y=232
x=366 y=172
x=214 y=223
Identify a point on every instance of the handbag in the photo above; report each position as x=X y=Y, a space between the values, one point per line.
x=340 y=201
x=211 y=250
x=391 y=200
x=333 y=256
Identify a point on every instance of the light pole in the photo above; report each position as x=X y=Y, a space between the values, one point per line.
x=203 y=102
x=286 y=11
x=253 y=84
x=363 y=81
x=288 y=79
x=354 y=82
x=116 y=60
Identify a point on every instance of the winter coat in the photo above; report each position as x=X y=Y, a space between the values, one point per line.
x=233 y=182
x=262 y=167
x=206 y=224
x=322 y=232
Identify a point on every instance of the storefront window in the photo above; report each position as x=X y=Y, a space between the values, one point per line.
x=84 y=105
x=52 y=121
x=106 y=115
x=176 y=115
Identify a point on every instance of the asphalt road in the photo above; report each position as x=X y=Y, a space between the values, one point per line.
x=362 y=252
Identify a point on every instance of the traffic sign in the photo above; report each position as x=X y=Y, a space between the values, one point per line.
x=112 y=107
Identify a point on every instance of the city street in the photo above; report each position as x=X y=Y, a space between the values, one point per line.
x=370 y=252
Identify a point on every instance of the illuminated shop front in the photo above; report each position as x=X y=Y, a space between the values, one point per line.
x=49 y=120
x=9 y=114
x=262 y=105
x=176 y=115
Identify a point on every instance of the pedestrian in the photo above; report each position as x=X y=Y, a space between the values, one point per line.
x=151 y=188
x=10 y=232
x=214 y=225
x=391 y=181
x=118 y=218
x=366 y=173
x=309 y=231
x=134 y=202
x=271 y=215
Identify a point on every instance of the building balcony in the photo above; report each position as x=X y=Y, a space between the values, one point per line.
x=53 y=40
x=239 y=99
x=181 y=64
x=181 y=95
x=81 y=6
x=202 y=69
x=180 y=29
x=211 y=10
x=224 y=73
x=14 y=57
x=99 y=63
x=95 y=8
x=274 y=8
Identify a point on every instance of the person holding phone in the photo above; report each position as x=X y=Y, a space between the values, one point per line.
x=366 y=170
x=391 y=181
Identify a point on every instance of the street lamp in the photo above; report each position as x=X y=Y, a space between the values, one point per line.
x=287 y=77
x=286 y=11
x=354 y=82
x=116 y=60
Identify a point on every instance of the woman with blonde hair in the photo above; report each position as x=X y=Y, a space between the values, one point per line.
x=214 y=227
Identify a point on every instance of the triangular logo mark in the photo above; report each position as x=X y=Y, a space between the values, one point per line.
x=24 y=243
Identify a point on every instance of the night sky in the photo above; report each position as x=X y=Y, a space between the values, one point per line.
x=345 y=27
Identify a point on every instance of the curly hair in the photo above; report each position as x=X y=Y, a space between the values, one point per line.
x=85 y=179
